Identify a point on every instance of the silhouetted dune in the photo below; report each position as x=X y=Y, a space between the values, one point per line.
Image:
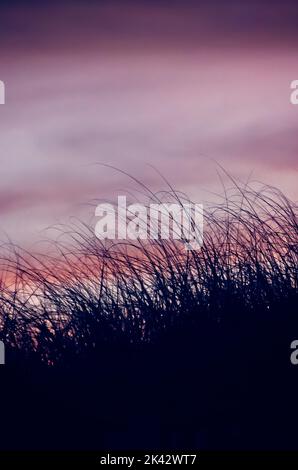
x=148 y=345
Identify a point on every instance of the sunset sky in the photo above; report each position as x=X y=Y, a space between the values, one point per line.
x=176 y=85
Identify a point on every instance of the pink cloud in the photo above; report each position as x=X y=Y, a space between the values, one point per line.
x=132 y=88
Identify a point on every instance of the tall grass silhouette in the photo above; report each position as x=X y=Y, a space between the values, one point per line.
x=136 y=313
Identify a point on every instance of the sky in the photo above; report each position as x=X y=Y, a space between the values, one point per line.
x=178 y=86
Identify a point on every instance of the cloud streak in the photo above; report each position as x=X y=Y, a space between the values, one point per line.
x=176 y=88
